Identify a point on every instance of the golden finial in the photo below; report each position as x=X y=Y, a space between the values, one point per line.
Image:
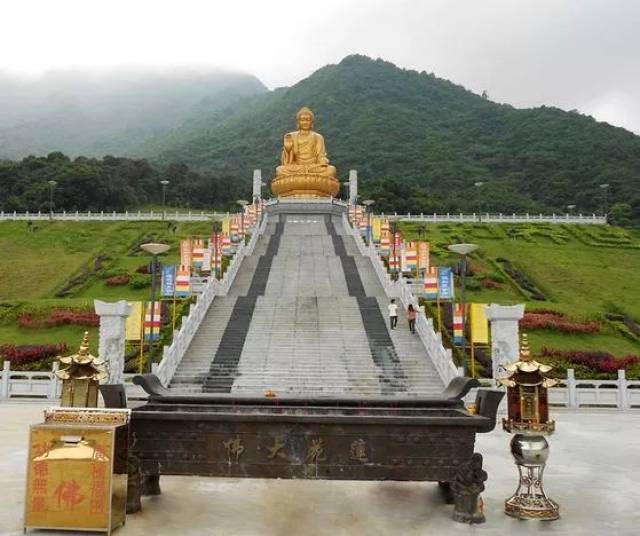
x=525 y=350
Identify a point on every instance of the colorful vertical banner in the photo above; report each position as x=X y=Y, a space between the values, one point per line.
x=133 y=326
x=458 y=325
x=385 y=238
x=225 y=245
x=206 y=259
x=376 y=229
x=197 y=253
x=445 y=283
x=431 y=283
x=478 y=323
x=423 y=257
x=183 y=281
x=185 y=252
x=152 y=322
x=226 y=225
x=410 y=257
x=168 y=287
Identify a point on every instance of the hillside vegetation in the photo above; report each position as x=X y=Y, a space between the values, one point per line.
x=587 y=273
x=420 y=143
x=98 y=113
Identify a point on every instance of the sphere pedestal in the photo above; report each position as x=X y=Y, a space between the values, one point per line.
x=530 y=501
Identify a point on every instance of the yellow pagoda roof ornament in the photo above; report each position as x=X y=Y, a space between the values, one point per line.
x=526 y=364
x=82 y=365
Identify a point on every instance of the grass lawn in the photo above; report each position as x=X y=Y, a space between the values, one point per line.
x=584 y=272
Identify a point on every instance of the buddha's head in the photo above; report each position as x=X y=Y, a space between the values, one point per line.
x=304 y=118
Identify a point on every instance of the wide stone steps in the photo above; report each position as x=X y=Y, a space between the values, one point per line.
x=305 y=318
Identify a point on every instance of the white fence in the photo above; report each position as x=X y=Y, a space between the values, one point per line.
x=206 y=216
x=432 y=341
x=500 y=218
x=114 y=216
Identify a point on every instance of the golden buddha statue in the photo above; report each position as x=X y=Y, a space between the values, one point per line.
x=305 y=169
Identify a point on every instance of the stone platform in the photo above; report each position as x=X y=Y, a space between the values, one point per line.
x=593 y=473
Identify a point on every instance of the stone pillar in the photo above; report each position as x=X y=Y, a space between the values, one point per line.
x=257 y=185
x=113 y=319
x=353 y=187
x=505 y=339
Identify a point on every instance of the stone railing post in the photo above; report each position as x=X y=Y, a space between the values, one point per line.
x=505 y=341
x=572 y=394
x=113 y=319
x=53 y=386
x=623 y=399
x=4 y=384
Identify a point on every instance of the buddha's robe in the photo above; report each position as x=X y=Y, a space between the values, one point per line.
x=304 y=154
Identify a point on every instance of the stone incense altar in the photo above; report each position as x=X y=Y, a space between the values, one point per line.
x=400 y=439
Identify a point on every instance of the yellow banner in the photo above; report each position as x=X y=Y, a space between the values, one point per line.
x=376 y=225
x=226 y=225
x=133 y=328
x=479 y=324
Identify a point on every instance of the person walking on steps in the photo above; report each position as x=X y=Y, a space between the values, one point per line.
x=393 y=314
x=411 y=317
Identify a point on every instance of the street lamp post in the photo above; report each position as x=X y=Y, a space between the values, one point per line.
x=367 y=203
x=478 y=185
x=164 y=197
x=52 y=185
x=155 y=250
x=463 y=250
x=605 y=188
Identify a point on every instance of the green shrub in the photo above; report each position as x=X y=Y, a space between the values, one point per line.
x=138 y=281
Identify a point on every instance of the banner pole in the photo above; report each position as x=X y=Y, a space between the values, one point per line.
x=173 y=311
x=140 y=363
x=439 y=313
x=473 y=360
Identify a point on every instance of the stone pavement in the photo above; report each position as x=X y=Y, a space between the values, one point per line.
x=593 y=473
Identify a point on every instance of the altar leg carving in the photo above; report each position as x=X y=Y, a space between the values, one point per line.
x=134 y=485
x=447 y=493
x=151 y=483
x=467 y=486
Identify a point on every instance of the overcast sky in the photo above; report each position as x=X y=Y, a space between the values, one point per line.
x=582 y=54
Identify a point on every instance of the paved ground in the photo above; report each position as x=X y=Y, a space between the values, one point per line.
x=593 y=472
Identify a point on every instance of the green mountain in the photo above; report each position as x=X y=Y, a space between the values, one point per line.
x=111 y=112
x=419 y=143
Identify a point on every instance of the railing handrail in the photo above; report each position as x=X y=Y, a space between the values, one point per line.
x=440 y=356
x=486 y=217
x=172 y=355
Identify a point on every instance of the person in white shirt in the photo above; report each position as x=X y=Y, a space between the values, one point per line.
x=393 y=314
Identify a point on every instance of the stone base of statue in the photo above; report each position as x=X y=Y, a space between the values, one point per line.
x=305 y=185
x=530 y=501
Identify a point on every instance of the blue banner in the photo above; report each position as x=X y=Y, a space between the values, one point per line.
x=168 y=280
x=445 y=283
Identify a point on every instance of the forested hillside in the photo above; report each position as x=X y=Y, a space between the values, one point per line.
x=420 y=143
x=99 y=113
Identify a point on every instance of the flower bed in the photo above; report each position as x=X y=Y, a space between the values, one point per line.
x=596 y=362
x=547 y=319
x=117 y=280
x=28 y=353
x=59 y=317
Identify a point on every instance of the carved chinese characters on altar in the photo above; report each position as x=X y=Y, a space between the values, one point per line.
x=68 y=479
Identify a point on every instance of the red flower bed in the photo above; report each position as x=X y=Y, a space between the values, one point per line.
x=596 y=361
x=60 y=317
x=27 y=353
x=117 y=280
x=490 y=283
x=546 y=319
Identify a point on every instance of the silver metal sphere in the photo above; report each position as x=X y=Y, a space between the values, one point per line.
x=529 y=450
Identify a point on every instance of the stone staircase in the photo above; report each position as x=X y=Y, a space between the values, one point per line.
x=306 y=315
